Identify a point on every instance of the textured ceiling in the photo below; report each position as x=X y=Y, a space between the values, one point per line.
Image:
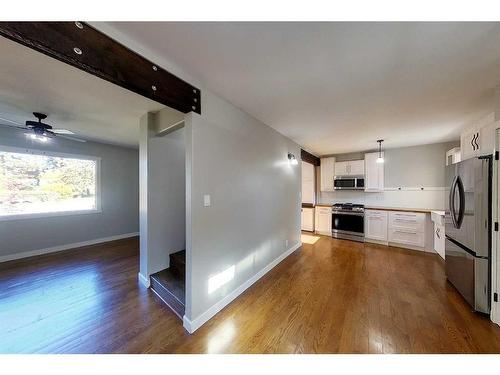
x=338 y=87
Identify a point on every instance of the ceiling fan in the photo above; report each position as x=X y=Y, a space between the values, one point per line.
x=38 y=130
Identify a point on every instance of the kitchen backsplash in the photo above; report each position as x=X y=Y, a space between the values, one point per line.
x=429 y=199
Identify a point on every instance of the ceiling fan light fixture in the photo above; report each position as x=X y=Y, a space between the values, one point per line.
x=36 y=137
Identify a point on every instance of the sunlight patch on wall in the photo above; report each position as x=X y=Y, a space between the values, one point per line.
x=216 y=281
x=309 y=239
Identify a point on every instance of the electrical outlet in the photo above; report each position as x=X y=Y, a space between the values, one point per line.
x=286 y=243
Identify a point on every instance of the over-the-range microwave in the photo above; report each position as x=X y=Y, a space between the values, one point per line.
x=349 y=182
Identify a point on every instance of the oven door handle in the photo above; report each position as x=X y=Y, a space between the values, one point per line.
x=348 y=213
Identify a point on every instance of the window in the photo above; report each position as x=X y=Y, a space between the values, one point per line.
x=36 y=184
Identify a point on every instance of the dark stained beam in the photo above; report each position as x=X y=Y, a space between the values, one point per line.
x=82 y=46
x=309 y=158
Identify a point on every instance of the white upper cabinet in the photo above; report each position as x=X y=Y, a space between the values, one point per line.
x=342 y=168
x=327 y=168
x=479 y=139
x=357 y=167
x=468 y=146
x=374 y=172
x=308 y=191
x=350 y=168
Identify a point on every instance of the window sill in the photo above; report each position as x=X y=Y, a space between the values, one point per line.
x=48 y=214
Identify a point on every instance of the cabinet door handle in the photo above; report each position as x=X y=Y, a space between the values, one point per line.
x=405 y=231
x=406 y=220
x=475 y=141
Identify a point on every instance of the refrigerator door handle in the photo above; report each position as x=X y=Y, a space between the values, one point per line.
x=457 y=218
x=461 y=210
x=452 y=201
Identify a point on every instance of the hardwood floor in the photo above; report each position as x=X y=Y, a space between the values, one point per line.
x=332 y=296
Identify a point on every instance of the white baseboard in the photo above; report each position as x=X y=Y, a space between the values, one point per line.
x=193 y=325
x=144 y=280
x=27 y=254
x=378 y=242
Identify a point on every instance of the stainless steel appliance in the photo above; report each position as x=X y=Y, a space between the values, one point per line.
x=468 y=230
x=348 y=221
x=349 y=182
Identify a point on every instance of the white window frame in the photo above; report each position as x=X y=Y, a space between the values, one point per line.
x=31 y=151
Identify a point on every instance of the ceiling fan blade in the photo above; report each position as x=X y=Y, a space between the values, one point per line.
x=12 y=125
x=71 y=138
x=10 y=121
x=62 y=131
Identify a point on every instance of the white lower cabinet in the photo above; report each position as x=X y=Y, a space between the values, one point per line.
x=407 y=228
x=323 y=220
x=376 y=225
x=401 y=228
x=307 y=219
x=406 y=236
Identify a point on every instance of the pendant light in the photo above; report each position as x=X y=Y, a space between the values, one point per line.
x=380 y=159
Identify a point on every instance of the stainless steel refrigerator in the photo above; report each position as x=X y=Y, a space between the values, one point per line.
x=468 y=230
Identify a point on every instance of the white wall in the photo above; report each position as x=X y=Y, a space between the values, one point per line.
x=243 y=164
x=163 y=194
x=119 y=201
x=254 y=218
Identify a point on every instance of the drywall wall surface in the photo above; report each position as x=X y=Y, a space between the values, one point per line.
x=417 y=166
x=254 y=212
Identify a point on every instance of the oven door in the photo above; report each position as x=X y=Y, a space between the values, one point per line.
x=351 y=223
x=344 y=183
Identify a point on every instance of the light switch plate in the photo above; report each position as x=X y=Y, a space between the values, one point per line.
x=206 y=200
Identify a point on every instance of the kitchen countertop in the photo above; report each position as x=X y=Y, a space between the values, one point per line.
x=425 y=210
x=439 y=212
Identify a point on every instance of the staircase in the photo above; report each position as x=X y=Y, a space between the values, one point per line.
x=170 y=284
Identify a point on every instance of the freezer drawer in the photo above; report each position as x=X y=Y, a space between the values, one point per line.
x=469 y=275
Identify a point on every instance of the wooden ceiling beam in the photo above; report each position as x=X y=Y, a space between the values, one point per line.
x=82 y=46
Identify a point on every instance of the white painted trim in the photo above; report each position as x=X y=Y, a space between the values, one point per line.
x=41 y=215
x=378 y=242
x=27 y=254
x=144 y=280
x=193 y=325
x=495 y=244
x=415 y=188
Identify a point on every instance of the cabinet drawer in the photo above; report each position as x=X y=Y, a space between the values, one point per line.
x=324 y=210
x=407 y=237
x=412 y=221
x=375 y=213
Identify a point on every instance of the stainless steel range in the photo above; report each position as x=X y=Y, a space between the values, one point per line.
x=348 y=221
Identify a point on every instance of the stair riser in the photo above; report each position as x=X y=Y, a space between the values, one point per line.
x=178 y=271
x=170 y=300
x=178 y=264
